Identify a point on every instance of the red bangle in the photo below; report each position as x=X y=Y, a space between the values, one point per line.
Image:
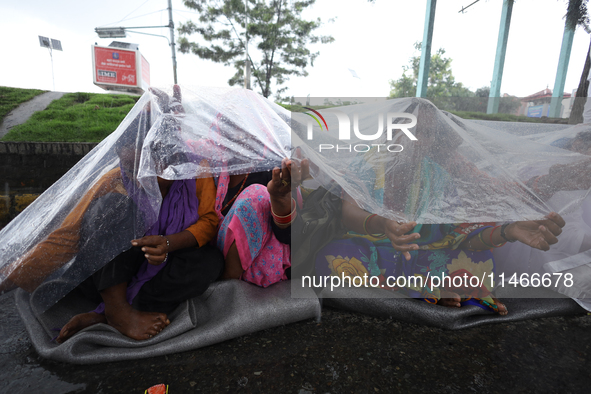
x=287 y=219
x=491 y=235
x=366 y=221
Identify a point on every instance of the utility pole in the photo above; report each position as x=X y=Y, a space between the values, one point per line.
x=494 y=97
x=423 y=80
x=558 y=91
x=246 y=60
x=172 y=43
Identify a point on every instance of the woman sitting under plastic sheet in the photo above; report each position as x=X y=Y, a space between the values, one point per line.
x=431 y=181
x=256 y=212
x=169 y=264
x=255 y=208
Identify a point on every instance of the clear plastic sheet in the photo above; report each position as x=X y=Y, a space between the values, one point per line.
x=455 y=171
x=111 y=196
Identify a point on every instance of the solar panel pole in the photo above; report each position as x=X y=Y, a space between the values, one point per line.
x=50 y=44
x=52 y=76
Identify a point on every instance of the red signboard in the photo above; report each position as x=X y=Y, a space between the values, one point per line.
x=120 y=69
x=115 y=65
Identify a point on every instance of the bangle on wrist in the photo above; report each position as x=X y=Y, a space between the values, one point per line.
x=491 y=236
x=287 y=219
x=481 y=238
x=504 y=235
x=366 y=221
x=167 y=248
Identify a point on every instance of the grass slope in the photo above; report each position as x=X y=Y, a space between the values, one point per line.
x=10 y=98
x=76 y=117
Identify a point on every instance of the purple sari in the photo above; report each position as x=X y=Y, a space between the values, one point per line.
x=177 y=212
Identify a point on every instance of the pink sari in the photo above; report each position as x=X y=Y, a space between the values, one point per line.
x=248 y=223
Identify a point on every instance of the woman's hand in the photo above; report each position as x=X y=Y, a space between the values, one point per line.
x=169 y=104
x=539 y=234
x=155 y=248
x=401 y=241
x=289 y=176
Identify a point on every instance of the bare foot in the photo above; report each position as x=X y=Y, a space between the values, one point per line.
x=501 y=308
x=135 y=324
x=450 y=299
x=79 y=322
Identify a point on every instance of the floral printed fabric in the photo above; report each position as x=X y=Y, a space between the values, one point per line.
x=248 y=223
x=357 y=256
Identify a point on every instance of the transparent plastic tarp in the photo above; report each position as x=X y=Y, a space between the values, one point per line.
x=406 y=160
x=452 y=171
x=111 y=196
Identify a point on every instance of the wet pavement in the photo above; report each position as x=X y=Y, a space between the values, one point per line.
x=343 y=353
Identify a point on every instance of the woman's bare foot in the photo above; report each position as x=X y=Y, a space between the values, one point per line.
x=501 y=308
x=135 y=324
x=79 y=322
x=450 y=299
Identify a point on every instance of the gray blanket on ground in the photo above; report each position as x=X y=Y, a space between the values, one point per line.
x=233 y=308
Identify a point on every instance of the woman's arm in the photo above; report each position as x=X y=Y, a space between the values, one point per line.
x=538 y=234
x=363 y=222
x=61 y=245
x=280 y=186
x=200 y=233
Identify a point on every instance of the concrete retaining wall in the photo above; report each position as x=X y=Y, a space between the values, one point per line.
x=28 y=168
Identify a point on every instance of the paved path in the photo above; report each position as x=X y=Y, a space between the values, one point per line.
x=24 y=111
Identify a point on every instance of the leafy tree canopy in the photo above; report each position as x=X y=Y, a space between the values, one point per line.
x=441 y=80
x=577 y=13
x=278 y=38
x=443 y=90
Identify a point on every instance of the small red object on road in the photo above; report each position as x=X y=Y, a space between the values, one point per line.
x=158 y=389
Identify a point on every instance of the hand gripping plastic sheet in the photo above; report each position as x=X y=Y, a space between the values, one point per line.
x=406 y=160
x=111 y=196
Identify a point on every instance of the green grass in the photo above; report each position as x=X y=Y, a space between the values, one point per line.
x=76 y=117
x=10 y=98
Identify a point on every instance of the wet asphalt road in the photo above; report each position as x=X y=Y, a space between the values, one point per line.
x=344 y=353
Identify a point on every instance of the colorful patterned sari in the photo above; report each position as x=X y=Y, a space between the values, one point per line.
x=439 y=255
x=248 y=223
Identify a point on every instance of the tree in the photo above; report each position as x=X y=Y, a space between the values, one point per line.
x=275 y=29
x=442 y=83
x=443 y=90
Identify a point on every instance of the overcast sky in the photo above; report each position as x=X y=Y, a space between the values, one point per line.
x=374 y=40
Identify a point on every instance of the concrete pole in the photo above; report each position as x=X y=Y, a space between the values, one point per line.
x=494 y=96
x=423 y=80
x=558 y=91
x=172 y=43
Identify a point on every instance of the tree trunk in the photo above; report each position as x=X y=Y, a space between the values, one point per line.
x=576 y=115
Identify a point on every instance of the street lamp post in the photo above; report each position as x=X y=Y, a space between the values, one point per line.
x=120 y=32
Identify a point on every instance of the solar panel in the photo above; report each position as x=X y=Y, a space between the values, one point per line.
x=44 y=41
x=124 y=45
x=56 y=44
